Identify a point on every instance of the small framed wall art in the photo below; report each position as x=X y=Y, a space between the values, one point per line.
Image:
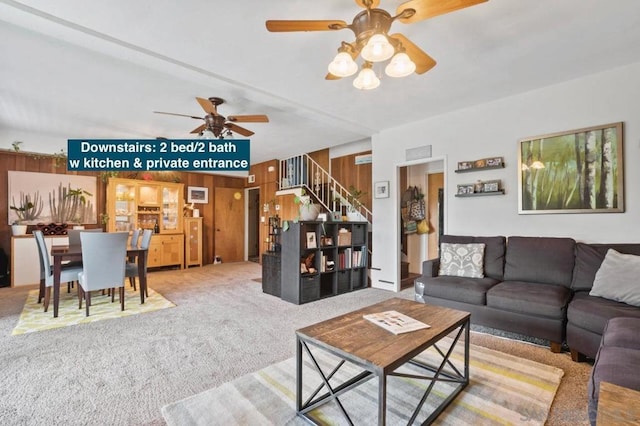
x=381 y=189
x=197 y=195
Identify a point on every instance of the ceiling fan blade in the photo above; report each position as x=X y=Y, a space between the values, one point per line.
x=179 y=115
x=199 y=129
x=429 y=8
x=255 y=118
x=238 y=129
x=373 y=3
x=207 y=105
x=423 y=61
x=283 y=26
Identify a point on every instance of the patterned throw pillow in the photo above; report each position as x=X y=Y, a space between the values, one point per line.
x=462 y=260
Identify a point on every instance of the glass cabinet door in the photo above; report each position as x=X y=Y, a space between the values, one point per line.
x=148 y=207
x=125 y=207
x=171 y=212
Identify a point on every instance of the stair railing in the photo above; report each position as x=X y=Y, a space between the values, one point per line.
x=302 y=171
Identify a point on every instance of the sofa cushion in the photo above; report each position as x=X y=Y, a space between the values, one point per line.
x=540 y=260
x=460 y=289
x=546 y=300
x=589 y=257
x=462 y=260
x=592 y=313
x=617 y=278
x=622 y=332
x=493 y=252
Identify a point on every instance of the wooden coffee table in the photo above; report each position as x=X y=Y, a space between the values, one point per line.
x=379 y=353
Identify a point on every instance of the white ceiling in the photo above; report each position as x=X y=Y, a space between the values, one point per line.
x=85 y=69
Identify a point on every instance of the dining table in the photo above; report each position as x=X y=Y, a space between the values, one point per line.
x=74 y=253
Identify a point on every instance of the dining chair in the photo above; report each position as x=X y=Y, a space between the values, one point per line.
x=103 y=263
x=74 y=235
x=131 y=270
x=135 y=237
x=68 y=273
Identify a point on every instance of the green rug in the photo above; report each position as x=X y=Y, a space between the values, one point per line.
x=33 y=318
x=503 y=390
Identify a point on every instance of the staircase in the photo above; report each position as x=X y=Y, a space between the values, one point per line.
x=302 y=171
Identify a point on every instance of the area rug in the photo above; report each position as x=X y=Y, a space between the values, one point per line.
x=503 y=390
x=33 y=318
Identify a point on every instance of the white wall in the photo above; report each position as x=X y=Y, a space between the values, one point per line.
x=492 y=130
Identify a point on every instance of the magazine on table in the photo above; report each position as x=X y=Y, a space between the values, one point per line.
x=395 y=322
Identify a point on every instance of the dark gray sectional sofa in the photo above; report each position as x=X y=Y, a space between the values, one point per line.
x=588 y=315
x=617 y=362
x=536 y=286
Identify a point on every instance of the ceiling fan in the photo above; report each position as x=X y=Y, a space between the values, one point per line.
x=373 y=41
x=217 y=124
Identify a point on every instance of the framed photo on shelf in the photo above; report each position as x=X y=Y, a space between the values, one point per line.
x=480 y=164
x=465 y=189
x=576 y=171
x=311 y=240
x=491 y=186
x=381 y=189
x=494 y=162
x=465 y=165
x=197 y=195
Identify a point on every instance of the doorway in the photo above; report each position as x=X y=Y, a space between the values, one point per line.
x=253 y=225
x=415 y=248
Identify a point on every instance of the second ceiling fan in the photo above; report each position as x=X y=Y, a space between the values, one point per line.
x=218 y=124
x=373 y=41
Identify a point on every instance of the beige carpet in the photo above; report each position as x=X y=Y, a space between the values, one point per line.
x=33 y=318
x=503 y=390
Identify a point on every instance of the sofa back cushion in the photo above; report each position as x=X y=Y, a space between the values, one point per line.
x=494 y=250
x=540 y=260
x=589 y=257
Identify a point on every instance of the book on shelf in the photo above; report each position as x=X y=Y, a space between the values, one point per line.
x=395 y=322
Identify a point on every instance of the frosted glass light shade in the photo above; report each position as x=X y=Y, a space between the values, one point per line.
x=377 y=49
x=207 y=134
x=366 y=80
x=400 y=66
x=343 y=65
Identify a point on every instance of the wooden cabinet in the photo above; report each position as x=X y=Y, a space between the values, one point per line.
x=25 y=260
x=322 y=259
x=139 y=204
x=166 y=250
x=192 y=241
x=142 y=204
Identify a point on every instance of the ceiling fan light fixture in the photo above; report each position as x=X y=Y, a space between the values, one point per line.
x=207 y=134
x=343 y=65
x=377 y=49
x=366 y=80
x=400 y=66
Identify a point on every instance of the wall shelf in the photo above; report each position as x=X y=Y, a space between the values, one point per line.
x=481 y=194
x=479 y=169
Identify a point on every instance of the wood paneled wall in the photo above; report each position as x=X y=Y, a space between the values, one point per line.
x=33 y=162
x=345 y=171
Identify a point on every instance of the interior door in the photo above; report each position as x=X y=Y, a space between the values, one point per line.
x=229 y=224
x=435 y=183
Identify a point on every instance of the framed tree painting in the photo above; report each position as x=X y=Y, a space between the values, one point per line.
x=578 y=171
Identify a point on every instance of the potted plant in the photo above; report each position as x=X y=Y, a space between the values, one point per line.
x=308 y=210
x=353 y=213
x=17 y=228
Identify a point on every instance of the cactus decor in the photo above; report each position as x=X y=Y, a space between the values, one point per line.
x=27 y=209
x=69 y=205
